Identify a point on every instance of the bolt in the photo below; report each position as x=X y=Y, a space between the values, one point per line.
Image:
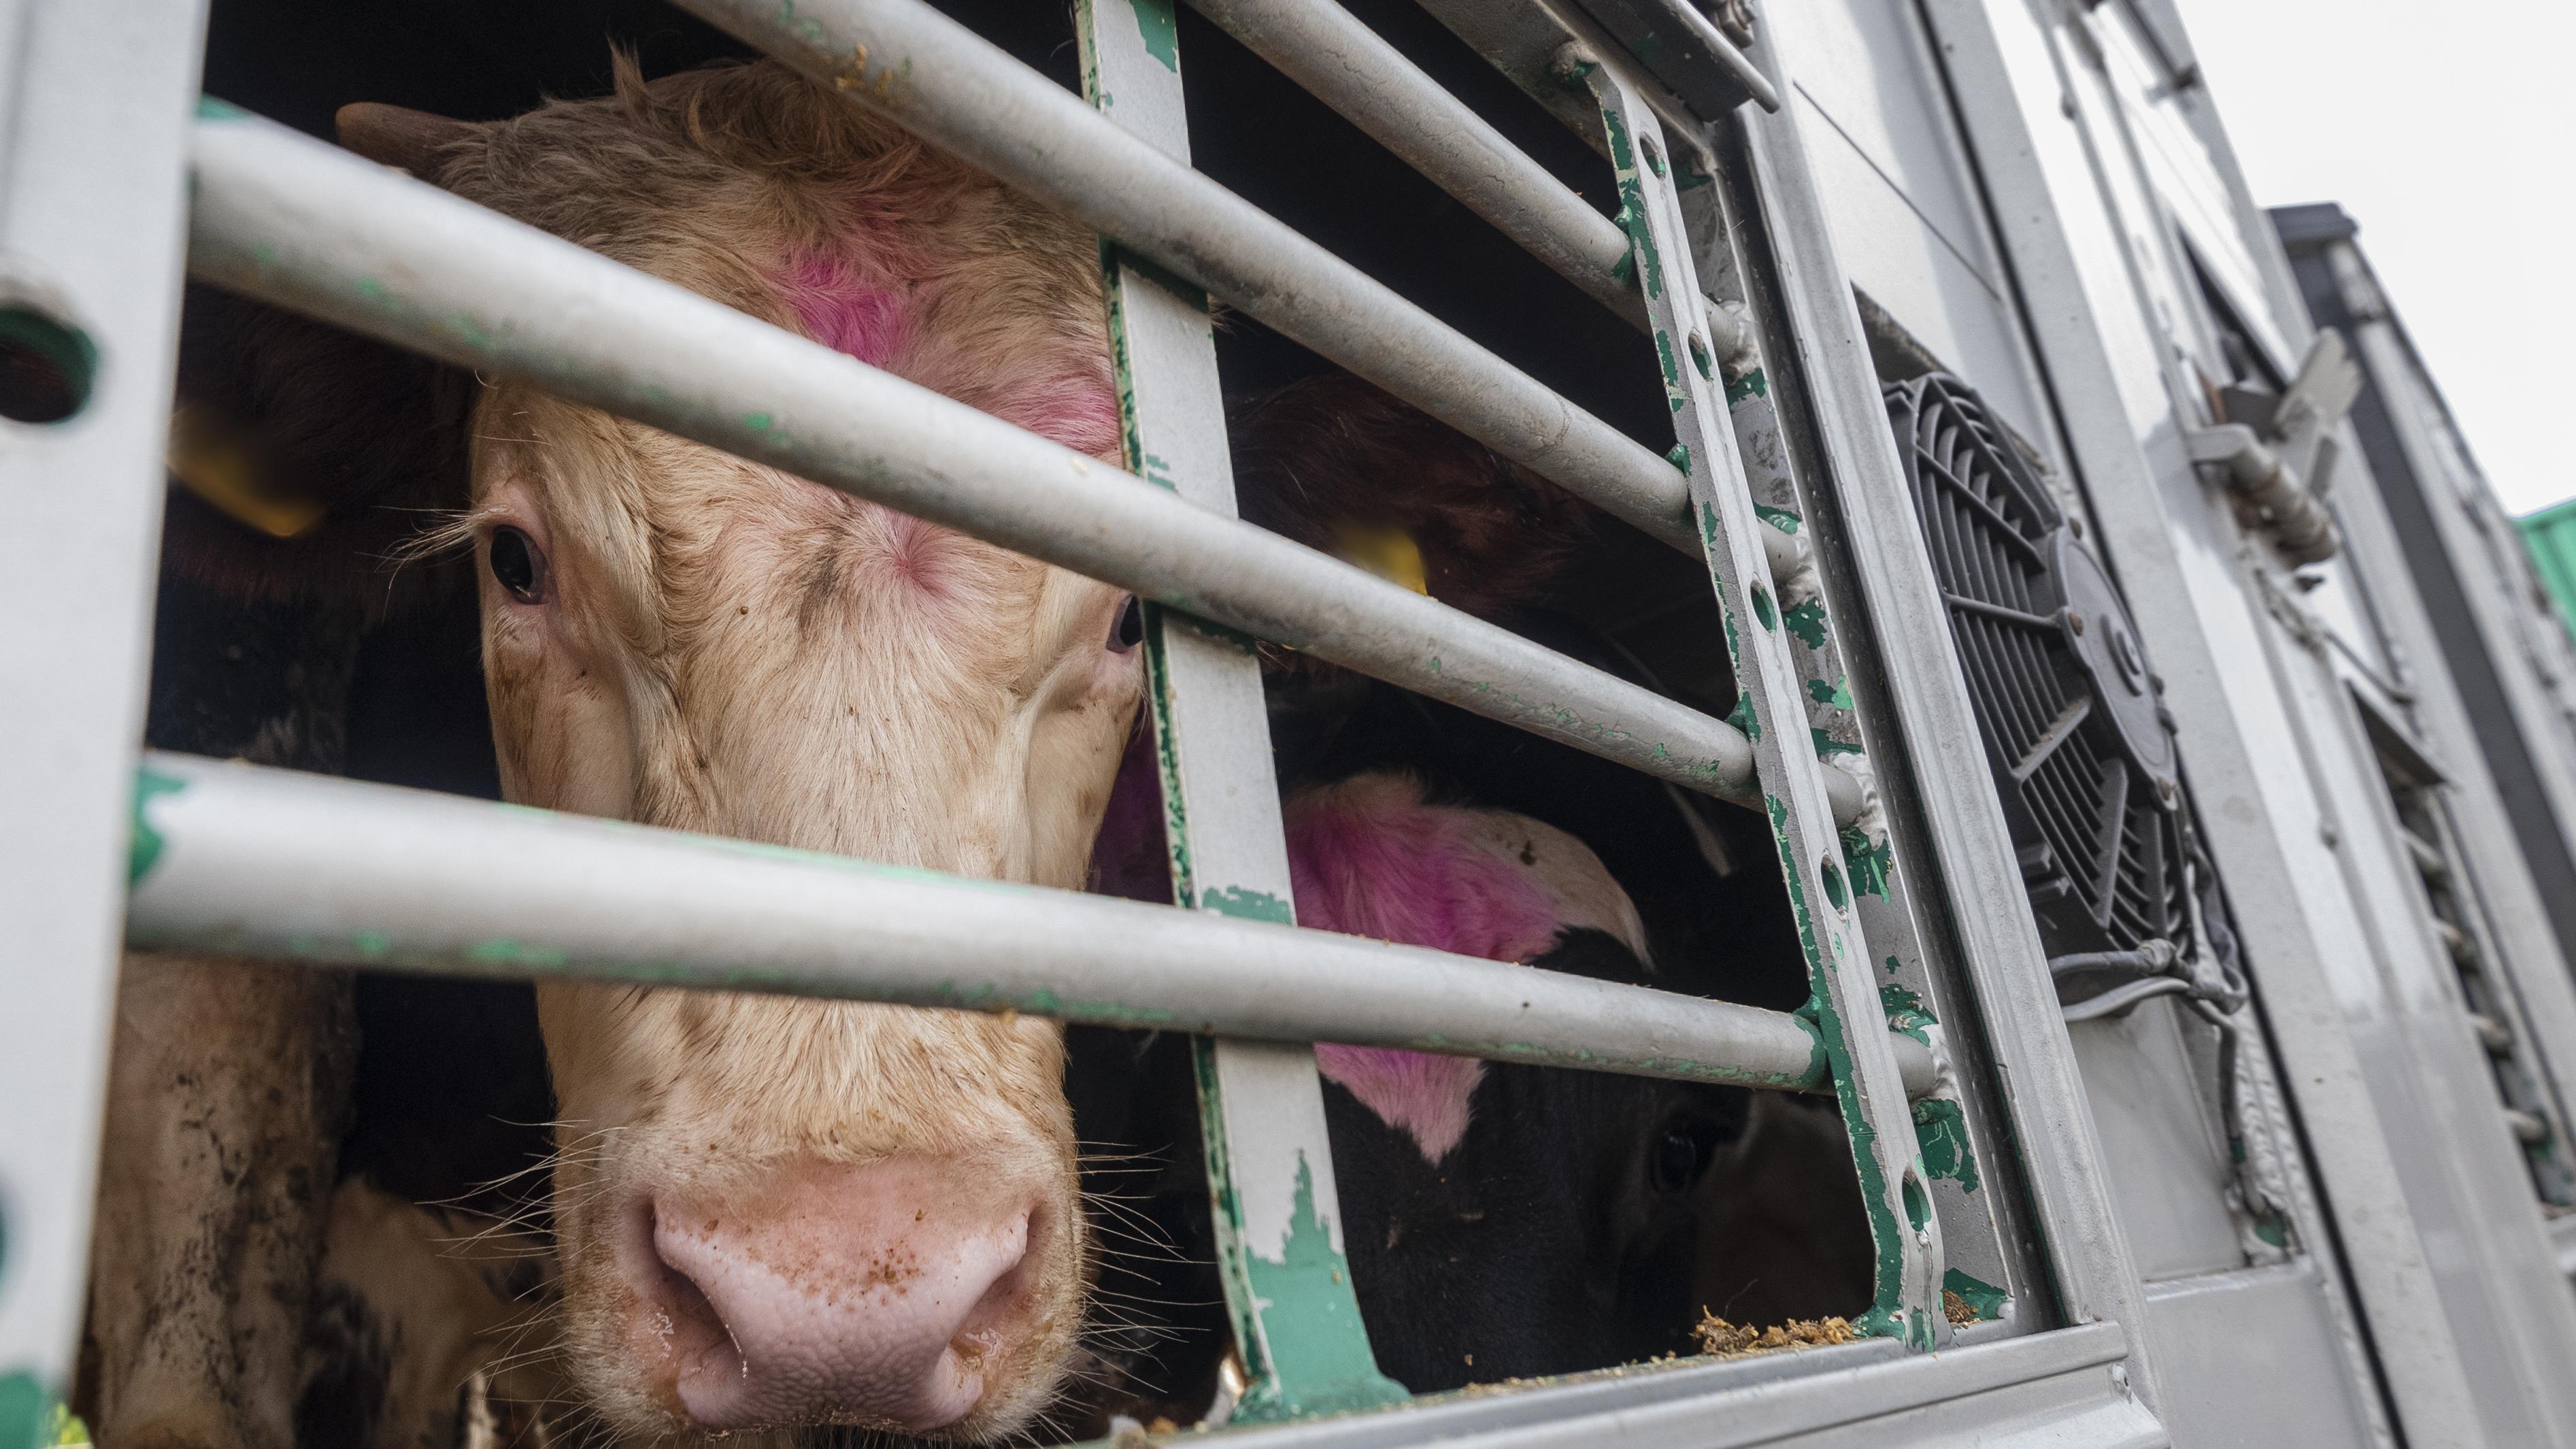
x=2075 y=621
x=2326 y=832
x=2165 y=790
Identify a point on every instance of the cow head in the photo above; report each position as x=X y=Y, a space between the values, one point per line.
x=774 y=1211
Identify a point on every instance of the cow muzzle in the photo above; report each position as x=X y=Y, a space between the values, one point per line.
x=889 y=1294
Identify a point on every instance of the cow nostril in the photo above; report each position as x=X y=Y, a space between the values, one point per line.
x=1000 y=1301
x=686 y=1320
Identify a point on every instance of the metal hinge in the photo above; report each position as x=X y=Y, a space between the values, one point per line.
x=2278 y=452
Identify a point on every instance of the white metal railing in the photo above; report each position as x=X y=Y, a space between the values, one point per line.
x=253 y=861
x=951 y=86
x=305 y=868
x=307 y=226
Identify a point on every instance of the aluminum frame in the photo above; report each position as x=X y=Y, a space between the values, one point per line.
x=2338 y=951
x=2093 y=1381
x=2103 y=1399
x=91 y=91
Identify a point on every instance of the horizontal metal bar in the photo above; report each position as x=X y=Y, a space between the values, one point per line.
x=1341 y=62
x=943 y=82
x=254 y=861
x=307 y=226
x=2036 y=1391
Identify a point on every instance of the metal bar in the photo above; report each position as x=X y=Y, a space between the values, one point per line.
x=253 y=861
x=96 y=101
x=1274 y=1204
x=1851 y=1019
x=940 y=80
x=1720 y=49
x=307 y=226
x=1988 y=1244
x=1344 y=64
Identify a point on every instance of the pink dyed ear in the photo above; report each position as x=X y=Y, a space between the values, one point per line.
x=399 y=135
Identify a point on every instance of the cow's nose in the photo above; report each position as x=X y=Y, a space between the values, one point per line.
x=878 y=1294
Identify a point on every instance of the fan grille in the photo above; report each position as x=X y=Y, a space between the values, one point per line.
x=2099 y=836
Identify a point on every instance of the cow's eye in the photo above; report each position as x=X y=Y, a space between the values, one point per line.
x=517 y=565
x=1678 y=1159
x=1129 y=631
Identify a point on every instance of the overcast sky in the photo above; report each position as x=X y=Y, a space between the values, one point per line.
x=2449 y=132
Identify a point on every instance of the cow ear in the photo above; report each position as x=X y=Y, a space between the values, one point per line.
x=307 y=461
x=1340 y=465
x=399 y=136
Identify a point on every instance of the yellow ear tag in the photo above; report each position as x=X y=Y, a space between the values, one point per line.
x=1388 y=552
x=210 y=462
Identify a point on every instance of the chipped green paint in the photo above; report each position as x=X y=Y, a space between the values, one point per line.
x=1701 y=362
x=211 y=109
x=1297 y=1306
x=1159 y=30
x=1763 y=611
x=1779 y=518
x=1632 y=210
x=1836 y=695
x=1043 y=1002
x=26 y=1411
x=1871 y=864
x=1673 y=393
x=808 y=30
x=515 y=953
x=1832 y=875
x=1167 y=757
x=2271 y=1229
x=759 y=422
x=1886 y=1317
x=1984 y=1299
x=1248 y=904
x=1941 y=1126
x=1744 y=718
x=1906 y=1014
x=1680 y=457
x=1806 y=619
x=143 y=851
x=1752 y=384
x=1313 y=1321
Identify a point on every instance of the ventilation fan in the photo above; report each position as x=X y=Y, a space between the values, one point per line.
x=2083 y=753
x=2082 y=749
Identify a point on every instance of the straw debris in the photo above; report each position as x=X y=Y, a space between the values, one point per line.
x=1730 y=1340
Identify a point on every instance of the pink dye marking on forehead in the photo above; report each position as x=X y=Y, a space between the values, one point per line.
x=1370 y=858
x=1041 y=388
x=840 y=309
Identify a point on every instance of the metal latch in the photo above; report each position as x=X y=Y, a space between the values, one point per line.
x=2277 y=451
